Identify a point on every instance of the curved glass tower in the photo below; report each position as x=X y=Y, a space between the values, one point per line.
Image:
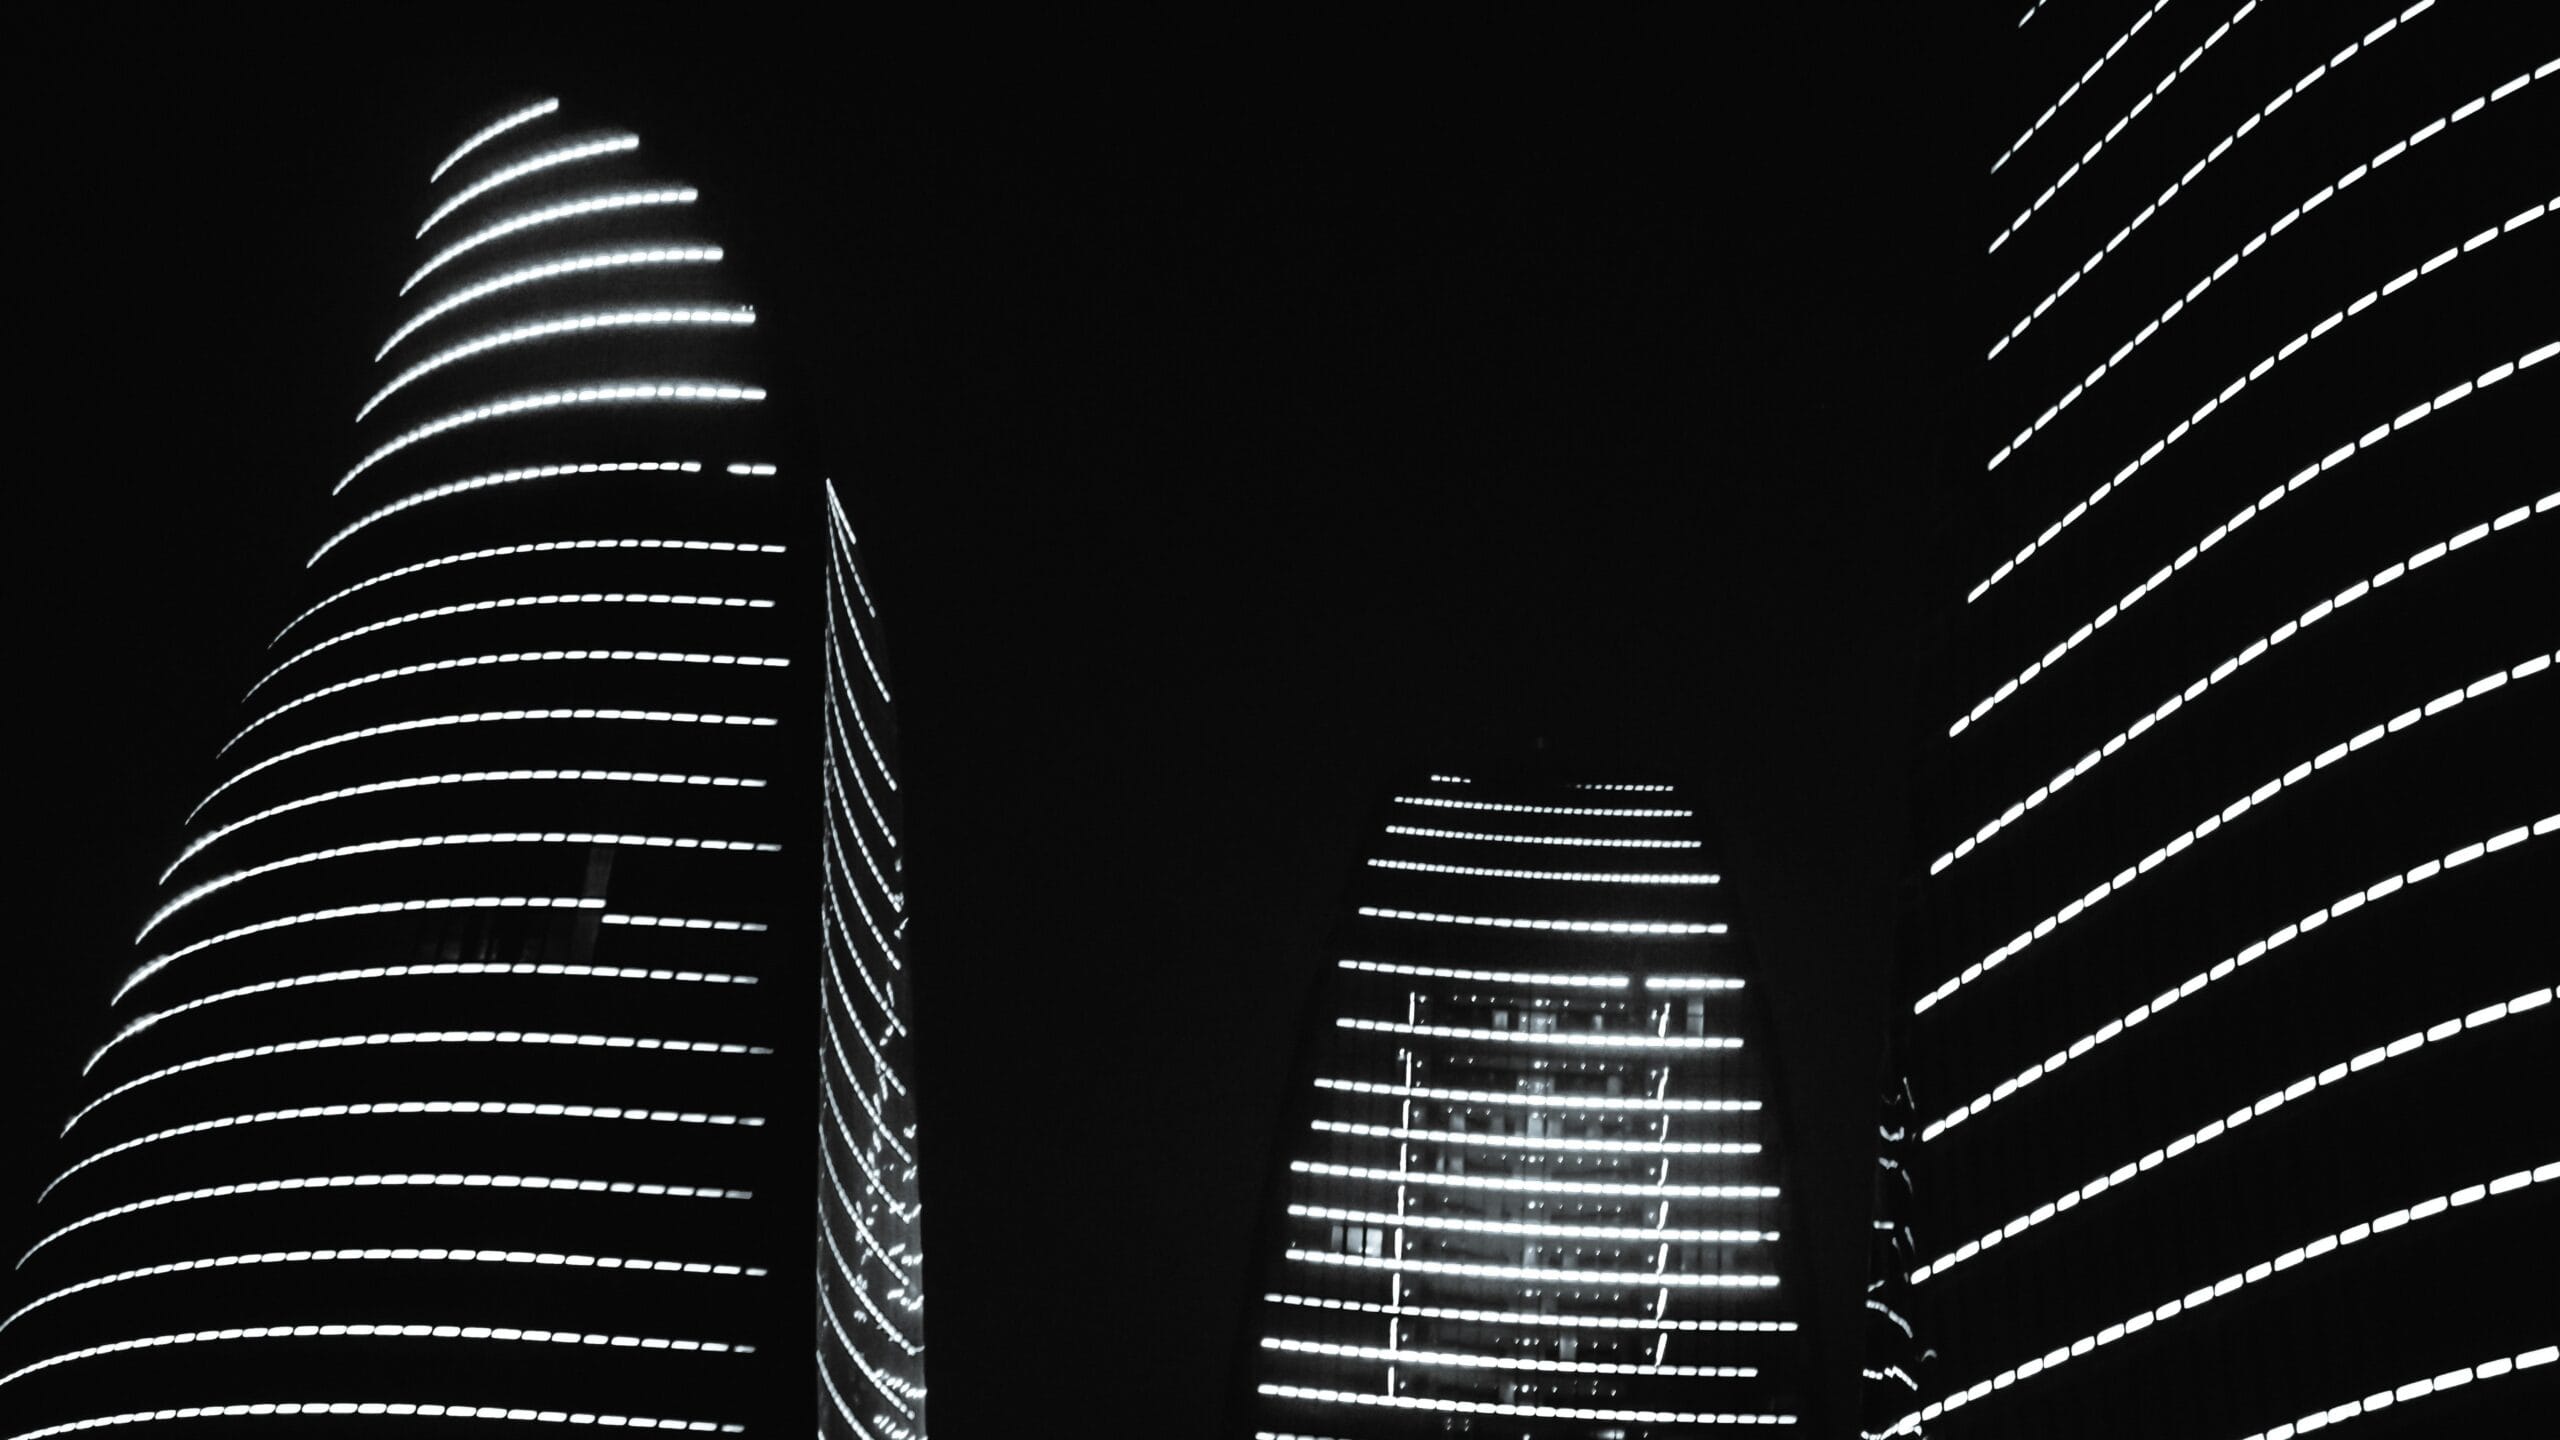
x=1531 y=1183
x=2229 y=1009
x=467 y=1068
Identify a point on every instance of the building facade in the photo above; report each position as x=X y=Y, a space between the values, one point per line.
x=467 y=1068
x=2229 y=969
x=1530 y=1184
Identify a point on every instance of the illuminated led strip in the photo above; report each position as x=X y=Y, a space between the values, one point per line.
x=888 y=1387
x=681 y=922
x=483 y=717
x=2338 y=317
x=530 y=165
x=366 y=1109
x=2417 y=560
x=1438 y=803
x=1427 y=834
x=552 y=214
x=1542 y=1412
x=1451 y=780
x=2204 y=1135
x=2037 y=9
x=306 y=1257
x=2202 y=1295
x=492 y=131
x=516 y=602
x=551 y=270
x=666 y=317
x=536 y=547
x=1513 y=1227
x=2497 y=1369
x=384 y=907
x=844 y=531
x=2171 y=193
x=608 y=393
x=1530 y=1317
x=381 y=1332
x=862 y=646
x=400 y=1408
x=2085 y=77
x=428 y=1037
x=1502 y=1362
x=1538 y=1102
x=1691 y=982
x=1653 y=789
x=1661 y=1191
x=2204 y=829
x=510 y=657
x=2162 y=88
x=501 y=477
x=1626 y=1279
x=2322 y=915
x=421 y=1179
x=853 y=1282
x=440 y=968
x=2308 y=473
x=1589 y=876
x=1578 y=927
x=1492 y=977
x=1578 y=1039
x=1536 y=1142
x=461 y=777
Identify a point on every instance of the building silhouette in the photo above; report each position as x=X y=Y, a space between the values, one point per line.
x=2229 y=977
x=1530 y=1183
x=468 y=1065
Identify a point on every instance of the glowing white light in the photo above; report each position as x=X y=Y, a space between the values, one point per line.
x=387 y=907
x=1428 y=834
x=399 y=1253
x=2212 y=823
x=1643 y=1233
x=516 y=602
x=492 y=131
x=2085 y=76
x=1616 y=1279
x=400 y=1408
x=2224 y=394
x=667 y=317
x=1595 y=877
x=1614 y=1040
x=484 y=717
x=1691 y=982
x=2385 y=888
x=1535 y=1142
x=1659 y=1191
x=1542 y=1412
x=2246 y=656
x=551 y=270
x=1650 y=789
x=536 y=547
x=501 y=477
x=1632 y=1103
x=382 y=1332
x=1437 y=802
x=441 y=968
x=1451 y=780
x=609 y=393
x=2157 y=90
x=2385 y=156
x=1489 y=977
x=552 y=215
x=1532 y=1318
x=1503 y=1362
x=2160 y=578
x=2206 y=1134
x=1577 y=927
x=421 y=1180
x=511 y=657
x=363 y=1109
x=460 y=777
x=531 y=165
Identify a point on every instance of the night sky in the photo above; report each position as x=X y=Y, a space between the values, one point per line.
x=1223 y=450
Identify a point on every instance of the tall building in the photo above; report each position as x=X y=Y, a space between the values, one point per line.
x=533 y=965
x=1531 y=1183
x=2228 y=1002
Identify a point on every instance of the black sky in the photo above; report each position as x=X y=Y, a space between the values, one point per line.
x=1223 y=449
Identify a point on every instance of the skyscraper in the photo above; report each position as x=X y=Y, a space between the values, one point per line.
x=1531 y=1183
x=2230 y=984
x=534 y=963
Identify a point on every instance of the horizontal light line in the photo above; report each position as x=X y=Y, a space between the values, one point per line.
x=1536 y=1142
x=1502 y=1362
x=1602 y=1039
x=1492 y=977
x=1440 y=803
x=1533 y=1318
x=1422 y=832
x=578 y=264
x=568 y=154
x=1575 y=927
x=1538 y=1102
x=1528 y=1228
x=382 y=1332
x=1659 y=1191
x=609 y=392
x=1622 y=1279
x=492 y=131
x=658 y=317
x=1542 y=1412
x=552 y=214
x=482 y=482
x=1596 y=877
x=401 y=1408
